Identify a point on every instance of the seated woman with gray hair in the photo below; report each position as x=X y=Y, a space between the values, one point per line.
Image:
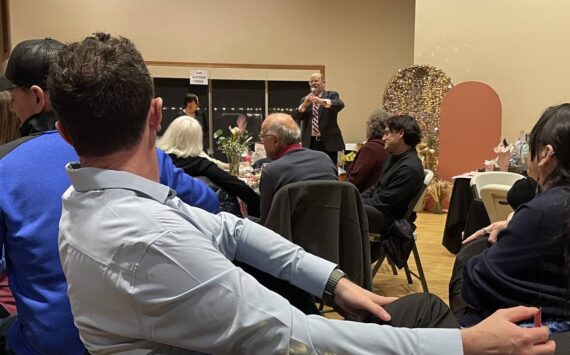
x=182 y=141
x=366 y=168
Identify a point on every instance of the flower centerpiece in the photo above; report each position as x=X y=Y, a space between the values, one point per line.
x=503 y=152
x=233 y=146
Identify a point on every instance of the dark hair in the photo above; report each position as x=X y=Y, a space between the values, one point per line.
x=375 y=124
x=412 y=131
x=553 y=128
x=190 y=97
x=101 y=90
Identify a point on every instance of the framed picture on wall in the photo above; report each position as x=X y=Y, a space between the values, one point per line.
x=4 y=30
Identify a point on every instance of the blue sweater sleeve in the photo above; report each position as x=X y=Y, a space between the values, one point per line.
x=526 y=264
x=192 y=191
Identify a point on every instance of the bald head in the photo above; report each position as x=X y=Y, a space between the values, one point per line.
x=281 y=131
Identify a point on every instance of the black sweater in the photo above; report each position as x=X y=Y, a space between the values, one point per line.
x=198 y=166
x=402 y=178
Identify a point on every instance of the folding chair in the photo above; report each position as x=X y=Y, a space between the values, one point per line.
x=416 y=205
x=492 y=188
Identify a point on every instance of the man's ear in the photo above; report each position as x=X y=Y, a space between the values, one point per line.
x=155 y=113
x=40 y=97
x=63 y=132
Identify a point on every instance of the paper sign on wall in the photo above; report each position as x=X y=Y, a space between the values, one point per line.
x=198 y=77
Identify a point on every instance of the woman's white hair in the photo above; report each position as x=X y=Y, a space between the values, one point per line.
x=183 y=138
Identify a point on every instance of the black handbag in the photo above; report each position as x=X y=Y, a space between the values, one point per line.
x=398 y=241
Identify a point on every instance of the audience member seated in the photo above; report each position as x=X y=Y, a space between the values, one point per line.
x=182 y=141
x=366 y=168
x=528 y=265
x=402 y=175
x=148 y=273
x=291 y=162
x=521 y=192
x=32 y=180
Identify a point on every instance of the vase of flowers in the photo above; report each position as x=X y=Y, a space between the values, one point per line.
x=233 y=146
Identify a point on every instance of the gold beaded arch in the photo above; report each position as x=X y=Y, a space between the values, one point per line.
x=418 y=91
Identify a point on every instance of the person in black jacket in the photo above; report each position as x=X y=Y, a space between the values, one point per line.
x=402 y=175
x=182 y=142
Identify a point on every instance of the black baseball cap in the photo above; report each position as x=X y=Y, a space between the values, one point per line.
x=29 y=63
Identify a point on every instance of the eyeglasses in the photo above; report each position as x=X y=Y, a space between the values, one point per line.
x=263 y=136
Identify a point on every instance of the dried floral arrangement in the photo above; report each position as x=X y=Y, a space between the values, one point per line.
x=439 y=191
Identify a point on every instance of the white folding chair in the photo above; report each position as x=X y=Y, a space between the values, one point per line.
x=492 y=188
x=493 y=177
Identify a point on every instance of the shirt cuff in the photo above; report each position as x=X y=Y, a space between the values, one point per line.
x=440 y=341
x=313 y=273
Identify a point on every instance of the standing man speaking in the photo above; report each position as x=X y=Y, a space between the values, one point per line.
x=318 y=117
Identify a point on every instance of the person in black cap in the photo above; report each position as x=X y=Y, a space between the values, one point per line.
x=25 y=77
x=32 y=180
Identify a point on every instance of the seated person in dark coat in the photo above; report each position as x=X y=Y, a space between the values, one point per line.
x=402 y=175
x=291 y=162
x=366 y=168
x=182 y=142
x=528 y=265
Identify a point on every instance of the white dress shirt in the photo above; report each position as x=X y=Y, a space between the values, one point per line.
x=148 y=273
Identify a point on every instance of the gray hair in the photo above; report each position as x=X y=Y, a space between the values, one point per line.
x=183 y=138
x=287 y=135
x=375 y=125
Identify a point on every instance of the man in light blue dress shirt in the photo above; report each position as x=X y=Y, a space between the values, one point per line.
x=148 y=273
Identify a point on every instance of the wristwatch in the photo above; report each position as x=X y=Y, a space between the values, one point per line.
x=333 y=280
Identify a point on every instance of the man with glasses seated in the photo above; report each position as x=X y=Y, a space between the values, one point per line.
x=291 y=162
x=402 y=175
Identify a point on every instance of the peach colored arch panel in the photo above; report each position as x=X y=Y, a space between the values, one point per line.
x=469 y=128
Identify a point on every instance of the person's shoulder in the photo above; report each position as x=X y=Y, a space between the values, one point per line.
x=36 y=142
x=373 y=144
x=554 y=196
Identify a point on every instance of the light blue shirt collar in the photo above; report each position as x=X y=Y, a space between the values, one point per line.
x=87 y=179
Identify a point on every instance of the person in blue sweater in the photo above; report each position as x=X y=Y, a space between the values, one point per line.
x=32 y=181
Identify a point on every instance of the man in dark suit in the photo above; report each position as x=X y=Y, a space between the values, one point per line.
x=291 y=162
x=317 y=115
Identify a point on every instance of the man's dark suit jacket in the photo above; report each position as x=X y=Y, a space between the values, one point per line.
x=297 y=165
x=328 y=125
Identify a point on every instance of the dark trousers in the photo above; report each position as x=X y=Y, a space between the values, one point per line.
x=419 y=310
x=378 y=222
x=5 y=325
x=317 y=144
x=456 y=303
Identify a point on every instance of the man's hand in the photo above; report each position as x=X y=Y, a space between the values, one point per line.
x=308 y=100
x=491 y=230
x=357 y=303
x=499 y=335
